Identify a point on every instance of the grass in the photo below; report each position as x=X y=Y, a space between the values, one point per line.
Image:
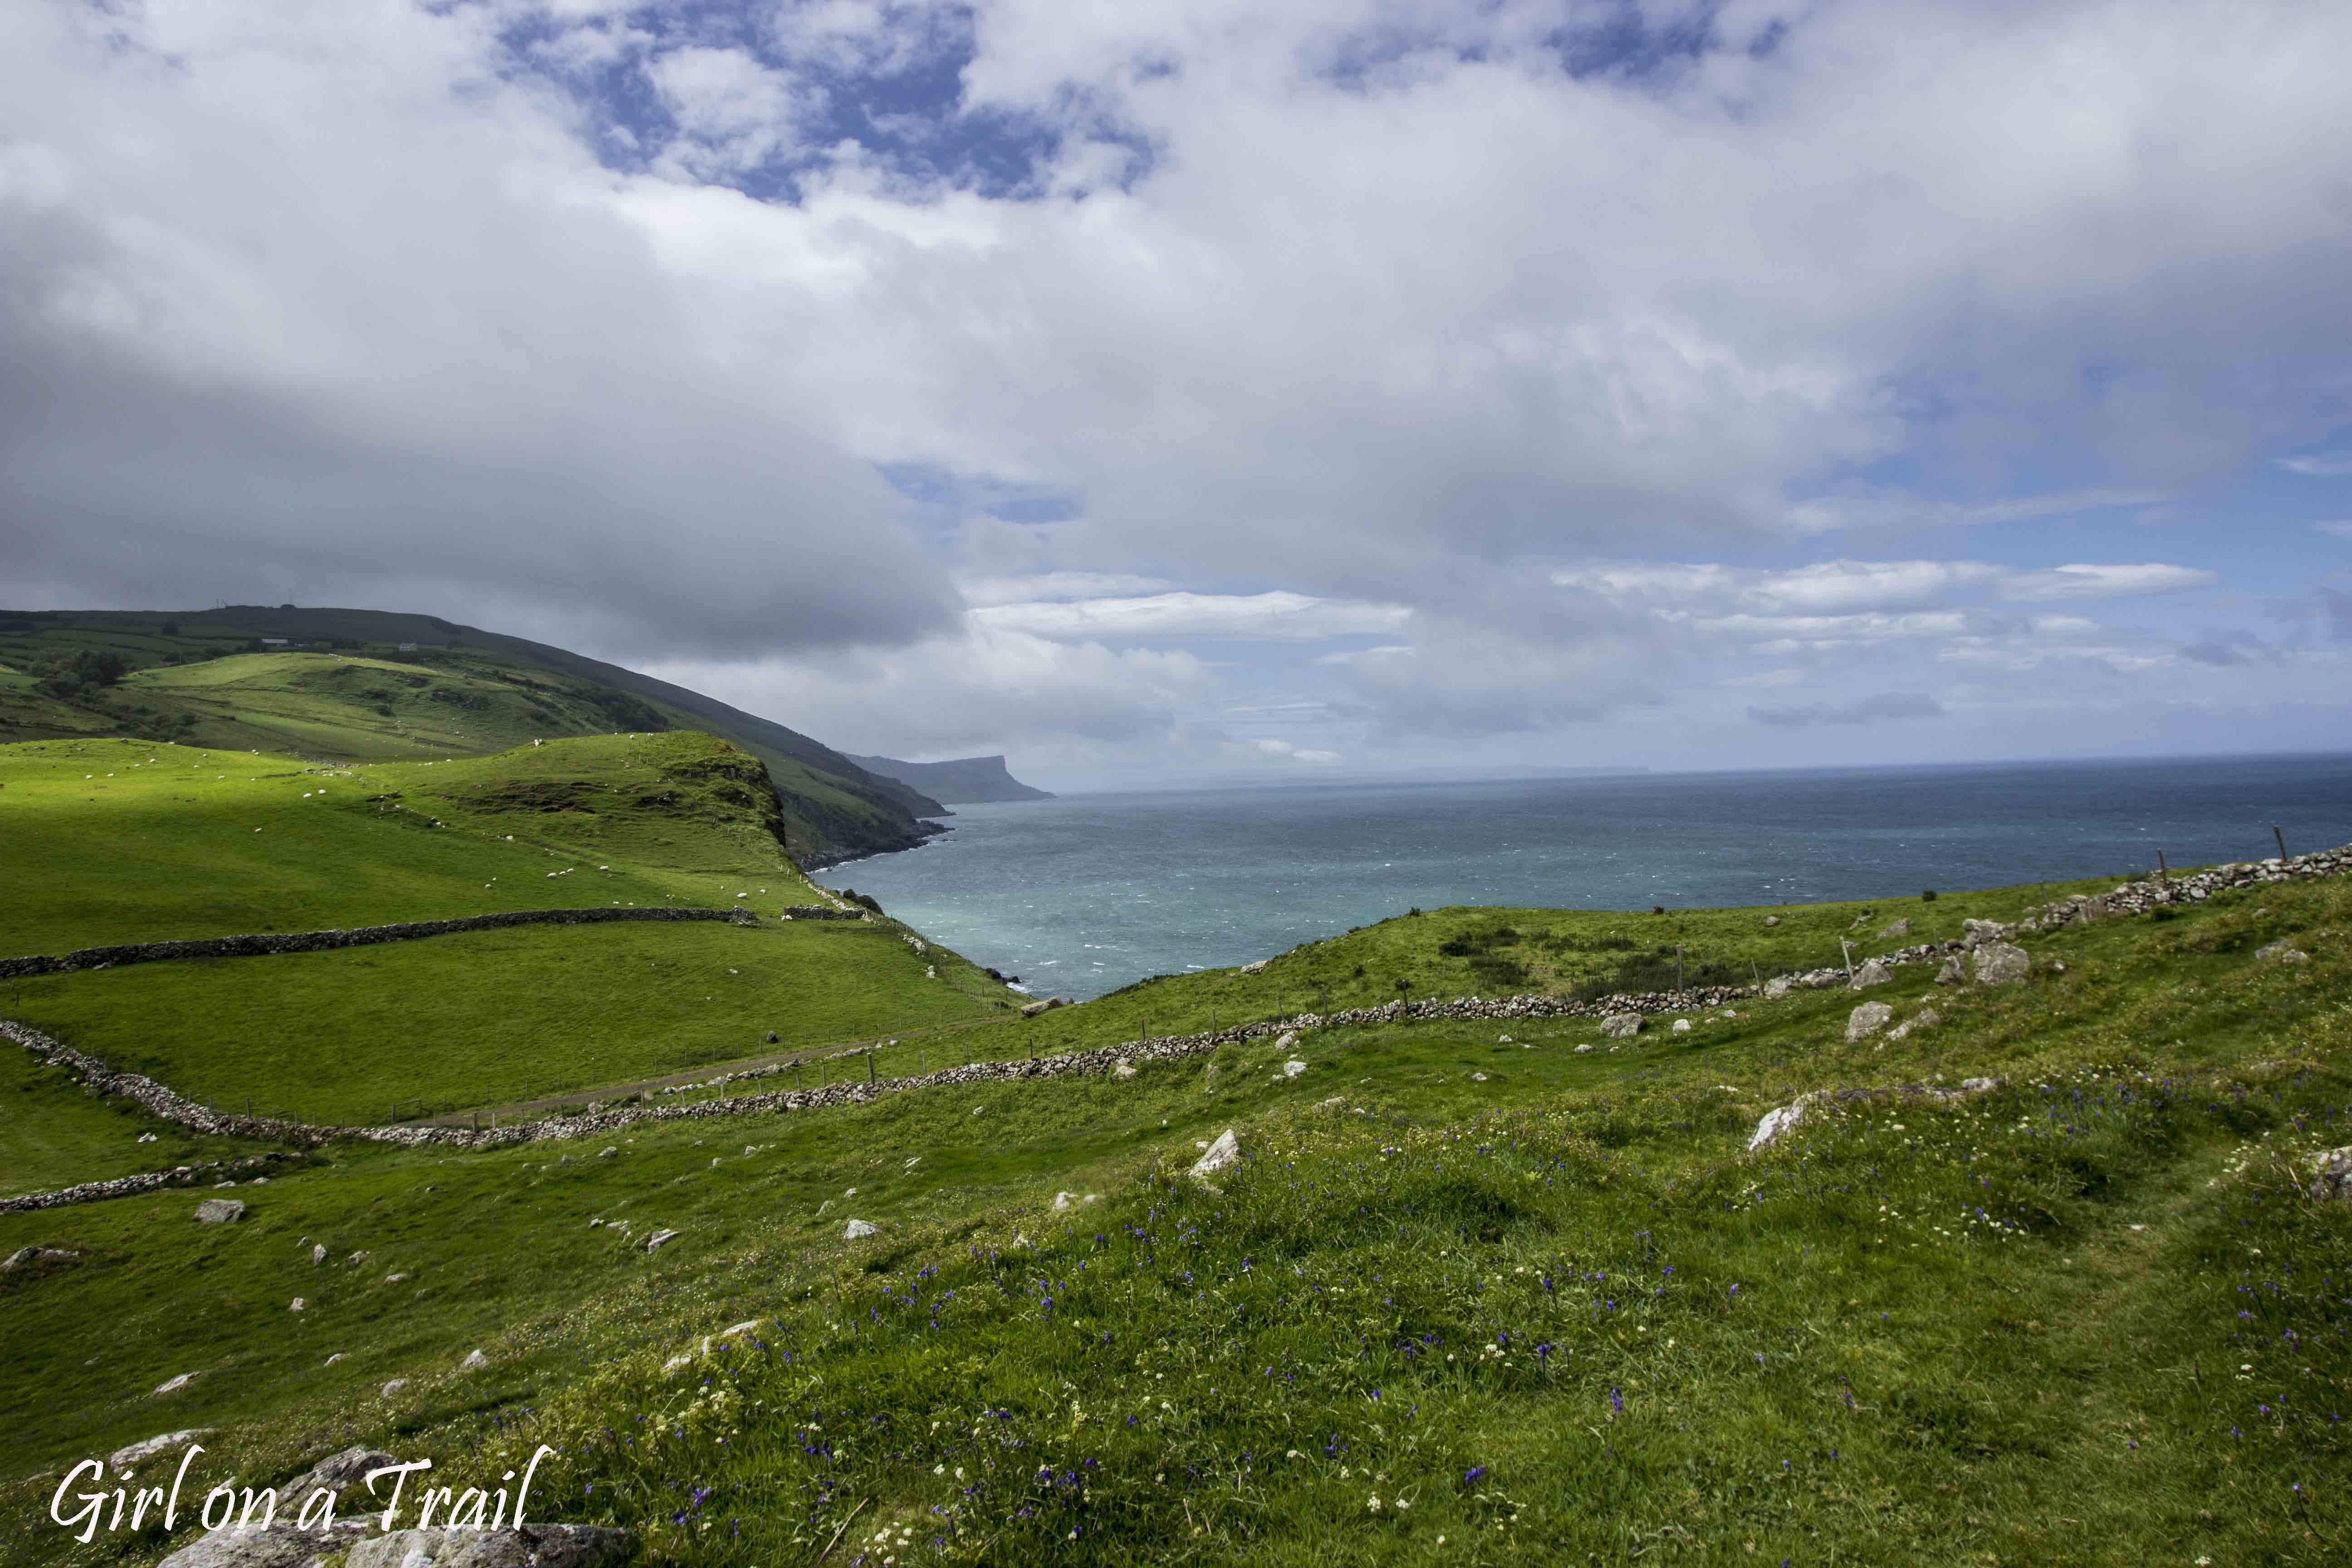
x=53 y=1135
x=365 y=686
x=1555 y=1313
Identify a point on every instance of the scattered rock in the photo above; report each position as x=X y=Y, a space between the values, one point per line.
x=858 y=1228
x=1682 y=1025
x=2280 y=953
x=660 y=1240
x=296 y=1305
x=1620 y=1026
x=1124 y=1069
x=394 y=1386
x=346 y=1467
x=1925 y=1018
x=530 y=1546
x=1772 y=920
x=283 y=1544
x=1064 y=1201
x=1337 y=1102
x=1784 y=1120
x=26 y=1257
x=474 y=1362
x=1031 y=1009
x=172 y=1384
x=1288 y=1042
x=1867 y=1020
x=606 y=1153
x=146 y=1449
x=318 y=1254
x=1901 y=927
x=1478 y=1077
x=1293 y=1067
x=220 y=1211
x=1954 y=972
x=1584 y=1050
x=2000 y=963
x=1257 y=968
x=357 y=1259
x=1227 y=1151
x=1779 y=985
x=2332 y=1175
x=1871 y=974
x=1979 y=1085
x=394 y=1278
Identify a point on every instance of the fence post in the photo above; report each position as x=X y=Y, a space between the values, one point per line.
x=2282 y=842
x=869 y=1064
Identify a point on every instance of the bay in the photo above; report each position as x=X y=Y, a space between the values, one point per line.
x=1084 y=894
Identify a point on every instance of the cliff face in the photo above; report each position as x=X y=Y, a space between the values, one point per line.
x=964 y=780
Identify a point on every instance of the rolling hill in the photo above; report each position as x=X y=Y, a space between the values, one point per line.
x=347 y=685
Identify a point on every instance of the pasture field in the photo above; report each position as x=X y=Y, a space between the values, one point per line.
x=1502 y=1303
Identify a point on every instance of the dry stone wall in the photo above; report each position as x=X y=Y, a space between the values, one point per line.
x=261 y=944
x=2133 y=898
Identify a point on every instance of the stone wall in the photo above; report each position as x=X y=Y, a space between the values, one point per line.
x=261 y=944
x=2132 y=898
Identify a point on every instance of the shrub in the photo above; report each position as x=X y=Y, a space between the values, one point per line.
x=1929 y=896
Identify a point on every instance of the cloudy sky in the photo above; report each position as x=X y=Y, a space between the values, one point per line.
x=1203 y=386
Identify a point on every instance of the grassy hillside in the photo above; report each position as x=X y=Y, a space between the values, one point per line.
x=1468 y=1297
x=368 y=685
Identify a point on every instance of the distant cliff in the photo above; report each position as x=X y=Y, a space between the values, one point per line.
x=965 y=781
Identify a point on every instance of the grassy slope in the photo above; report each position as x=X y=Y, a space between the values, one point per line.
x=2081 y=1319
x=464 y=690
x=161 y=841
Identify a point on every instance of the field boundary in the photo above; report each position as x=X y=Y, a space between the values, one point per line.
x=2136 y=897
x=266 y=943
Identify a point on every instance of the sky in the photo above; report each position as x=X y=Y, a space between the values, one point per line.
x=1181 y=388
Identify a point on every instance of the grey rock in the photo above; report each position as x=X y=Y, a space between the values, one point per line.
x=1778 y=986
x=318 y=1254
x=1585 y=1049
x=394 y=1386
x=532 y=1546
x=1227 y=1151
x=1065 y=1201
x=2331 y=1176
x=1901 y=927
x=858 y=1228
x=2282 y=953
x=474 y=1362
x=1871 y=974
x=1293 y=1067
x=1124 y=1069
x=25 y=1256
x=1867 y=1020
x=1778 y=1124
x=1682 y=1025
x=345 y=1469
x=282 y=1545
x=1031 y=1009
x=220 y=1211
x=173 y=1384
x=1772 y=920
x=2000 y=963
x=1620 y=1026
x=1954 y=971
x=1979 y=1085
x=660 y=1240
x=1975 y=931
x=1257 y=968
x=1925 y=1018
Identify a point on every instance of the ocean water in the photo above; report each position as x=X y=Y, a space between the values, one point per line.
x=1085 y=894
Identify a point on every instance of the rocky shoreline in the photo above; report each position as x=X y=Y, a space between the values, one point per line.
x=2129 y=898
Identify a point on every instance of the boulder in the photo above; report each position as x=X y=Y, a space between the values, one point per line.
x=2331 y=1176
x=2281 y=952
x=344 y=1469
x=1293 y=1067
x=530 y=1546
x=1288 y=1042
x=146 y=1449
x=1124 y=1069
x=1901 y=927
x=1975 y=931
x=1682 y=1025
x=474 y=1362
x=1871 y=974
x=318 y=1255
x=1925 y=1018
x=660 y=1240
x=1779 y=985
x=858 y=1228
x=1227 y=1151
x=282 y=1545
x=1867 y=1020
x=173 y=1384
x=1772 y=920
x=1584 y=1050
x=220 y=1211
x=1065 y=1201
x=1257 y=968
x=2000 y=963
x=1979 y=1085
x=1776 y=1124
x=1620 y=1026
x=394 y=1386
x=1030 y=1010
x=27 y=1256
x=1954 y=971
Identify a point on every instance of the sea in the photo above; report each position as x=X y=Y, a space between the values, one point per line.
x=1084 y=894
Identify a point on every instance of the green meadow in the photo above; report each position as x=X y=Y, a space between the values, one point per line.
x=1472 y=1294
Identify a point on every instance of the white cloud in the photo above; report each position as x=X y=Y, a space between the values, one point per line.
x=732 y=113
x=1270 y=617
x=2088 y=581
x=1058 y=585
x=2318 y=467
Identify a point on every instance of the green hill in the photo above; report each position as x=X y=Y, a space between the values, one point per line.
x=352 y=685
x=1488 y=1290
